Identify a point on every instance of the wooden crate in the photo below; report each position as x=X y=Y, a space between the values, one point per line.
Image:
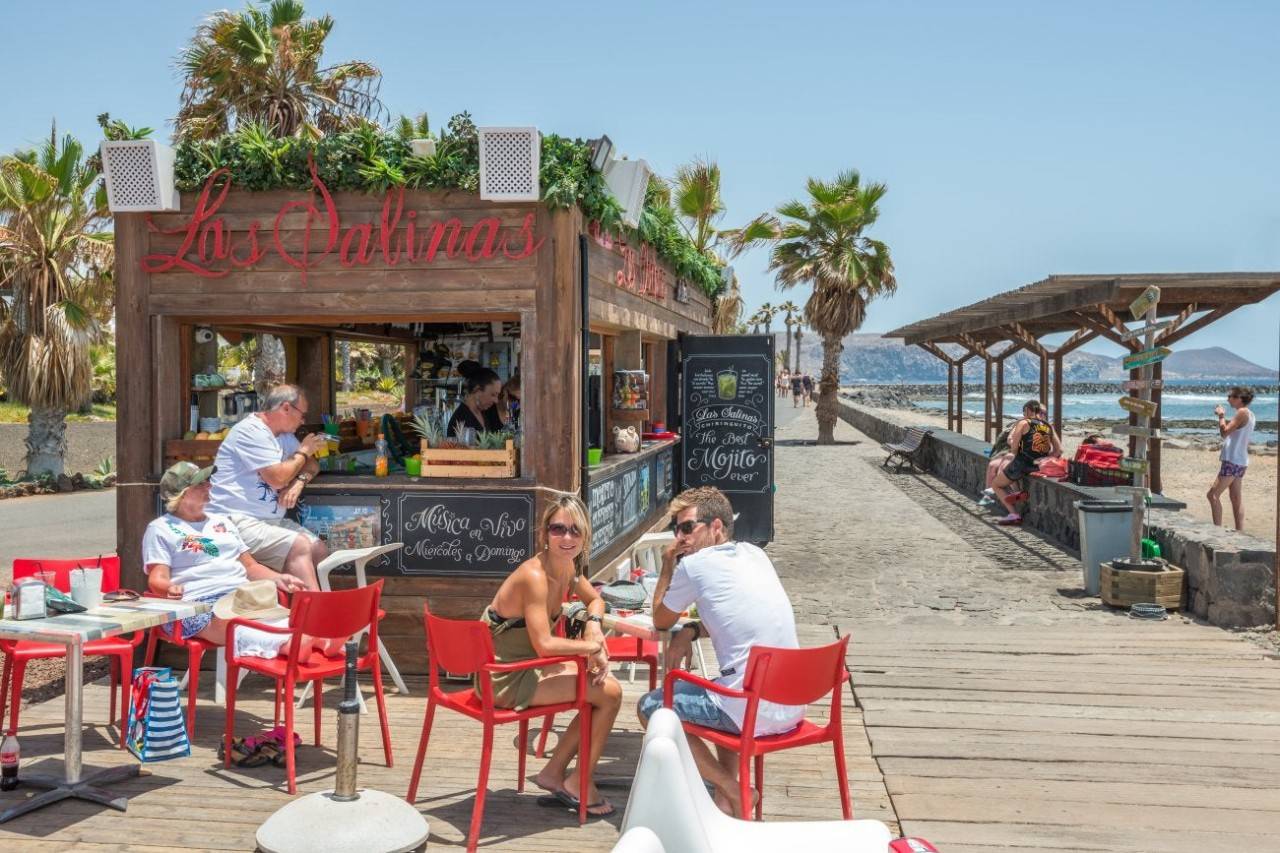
x=1125 y=587
x=200 y=451
x=468 y=462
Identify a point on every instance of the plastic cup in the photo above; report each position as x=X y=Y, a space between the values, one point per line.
x=413 y=467
x=594 y=455
x=46 y=577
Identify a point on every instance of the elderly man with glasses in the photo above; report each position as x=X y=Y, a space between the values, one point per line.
x=741 y=603
x=261 y=469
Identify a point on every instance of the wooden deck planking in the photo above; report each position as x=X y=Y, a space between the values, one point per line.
x=1135 y=737
x=193 y=804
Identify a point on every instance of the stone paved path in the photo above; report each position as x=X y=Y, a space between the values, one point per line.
x=856 y=541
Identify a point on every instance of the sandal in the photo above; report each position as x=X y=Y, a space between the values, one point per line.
x=245 y=752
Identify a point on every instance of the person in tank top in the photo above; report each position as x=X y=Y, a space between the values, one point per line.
x=1236 y=434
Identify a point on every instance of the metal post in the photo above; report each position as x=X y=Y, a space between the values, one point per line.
x=344 y=786
x=75 y=710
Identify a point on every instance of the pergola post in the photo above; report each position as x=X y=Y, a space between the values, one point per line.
x=1000 y=395
x=1056 y=407
x=1044 y=376
x=986 y=403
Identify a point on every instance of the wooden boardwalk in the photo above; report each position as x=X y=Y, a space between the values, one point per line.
x=193 y=804
x=1116 y=736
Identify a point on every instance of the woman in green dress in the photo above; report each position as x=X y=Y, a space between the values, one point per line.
x=521 y=617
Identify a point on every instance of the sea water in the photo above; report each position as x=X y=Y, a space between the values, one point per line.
x=1174 y=406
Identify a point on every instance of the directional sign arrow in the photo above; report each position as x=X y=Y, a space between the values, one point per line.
x=1141 y=384
x=1139 y=406
x=1137 y=431
x=1132 y=465
x=1149 y=298
x=1137 y=333
x=1147 y=356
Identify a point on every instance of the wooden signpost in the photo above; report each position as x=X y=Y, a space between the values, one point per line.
x=1137 y=333
x=1144 y=304
x=1144 y=307
x=1139 y=406
x=1146 y=357
x=1140 y=384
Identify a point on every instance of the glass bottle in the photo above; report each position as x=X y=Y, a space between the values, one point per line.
x=9 y=755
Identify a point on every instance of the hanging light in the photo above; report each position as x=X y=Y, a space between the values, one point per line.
x=601 y=151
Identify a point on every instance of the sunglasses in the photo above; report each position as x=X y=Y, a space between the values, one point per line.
x=686 y=527
x=558 y=529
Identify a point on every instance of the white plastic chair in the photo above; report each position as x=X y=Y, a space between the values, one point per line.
x=639 y=840
x=361 y=557
x=646 y=553
x=669 y=798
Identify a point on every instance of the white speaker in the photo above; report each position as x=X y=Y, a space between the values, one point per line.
x=139 y=174
x=509 y=161
x=628 y=180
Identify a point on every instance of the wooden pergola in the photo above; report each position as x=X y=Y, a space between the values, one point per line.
x=1086 y=307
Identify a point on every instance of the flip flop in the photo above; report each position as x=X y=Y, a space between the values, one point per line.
x=564 y=800
x=1010 y=522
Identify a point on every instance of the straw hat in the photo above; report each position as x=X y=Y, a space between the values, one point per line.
x=253 y=600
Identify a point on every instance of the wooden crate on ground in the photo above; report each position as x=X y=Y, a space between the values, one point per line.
x=1125 y=587
x=468 y=462
x=200 y=451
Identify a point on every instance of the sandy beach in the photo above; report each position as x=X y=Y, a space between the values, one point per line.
x=1188 y=468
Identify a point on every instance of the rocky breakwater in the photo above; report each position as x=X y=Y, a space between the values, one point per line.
x=887 y=396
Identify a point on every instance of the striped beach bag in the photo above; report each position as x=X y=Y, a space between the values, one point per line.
x=157 y=727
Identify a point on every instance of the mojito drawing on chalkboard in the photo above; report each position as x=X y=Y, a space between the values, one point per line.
x=727 y=384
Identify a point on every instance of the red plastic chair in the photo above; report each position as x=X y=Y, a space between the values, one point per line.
x=119 y=650
x=196 y=647
x=622 y=649
x=325 y=615
x=465 y=647
x=787 y=677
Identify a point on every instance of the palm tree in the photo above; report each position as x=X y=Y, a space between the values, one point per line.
x=263 y=65
x=789 y=309
x=726 y=314
x=799 y=334
x=755 y=321
x=696 y=197
x=56 y=262
x=821 y=243
x=767 y=313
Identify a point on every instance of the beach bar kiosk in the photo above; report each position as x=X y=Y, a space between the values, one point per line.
x=585 y=318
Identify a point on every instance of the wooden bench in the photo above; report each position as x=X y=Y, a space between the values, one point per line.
x=905 y=451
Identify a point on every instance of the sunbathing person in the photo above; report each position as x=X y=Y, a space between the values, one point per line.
x=520 y=620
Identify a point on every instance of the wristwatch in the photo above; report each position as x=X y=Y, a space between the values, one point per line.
x=594 y=618
x=304 y=477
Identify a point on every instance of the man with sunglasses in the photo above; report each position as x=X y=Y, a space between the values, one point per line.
x=261 y=469
x=741 y=604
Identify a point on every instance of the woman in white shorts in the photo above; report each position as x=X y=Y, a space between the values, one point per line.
x=193 y=555
x=1236 y=434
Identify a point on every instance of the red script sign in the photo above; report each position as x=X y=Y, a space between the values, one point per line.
x=209 y=250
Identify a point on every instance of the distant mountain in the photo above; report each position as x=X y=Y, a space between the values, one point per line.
x=870 y=358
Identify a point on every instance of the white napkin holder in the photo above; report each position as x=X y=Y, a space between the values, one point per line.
x=28 y=599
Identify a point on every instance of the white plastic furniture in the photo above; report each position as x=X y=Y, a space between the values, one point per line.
x=646 y=554
x=639 y=839
x=669 y=798
x=360 y=557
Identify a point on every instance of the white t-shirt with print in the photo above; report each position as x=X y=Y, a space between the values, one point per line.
x=202 y=556
x=741 y=604
x=249 y=447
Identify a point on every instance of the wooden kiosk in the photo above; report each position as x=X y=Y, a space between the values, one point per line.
x=313 y=267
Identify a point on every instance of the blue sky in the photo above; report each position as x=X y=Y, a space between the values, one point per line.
x=1017 y=139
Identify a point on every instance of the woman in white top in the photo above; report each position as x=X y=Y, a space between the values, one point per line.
x=1236 y=434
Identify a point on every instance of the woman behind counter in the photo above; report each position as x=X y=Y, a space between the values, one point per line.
x=478 y=409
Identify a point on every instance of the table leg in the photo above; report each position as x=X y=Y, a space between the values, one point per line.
x=73 y=785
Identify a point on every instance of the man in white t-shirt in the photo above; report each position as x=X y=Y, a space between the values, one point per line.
x=261 y=469
x=741 y=604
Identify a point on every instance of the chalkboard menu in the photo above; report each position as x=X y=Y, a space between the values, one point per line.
x=662 y=476
x=462 y=533
x=728 y=411
x=621 y=501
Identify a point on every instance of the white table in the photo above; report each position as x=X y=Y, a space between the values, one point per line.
x=74 y=630
x=635 y=625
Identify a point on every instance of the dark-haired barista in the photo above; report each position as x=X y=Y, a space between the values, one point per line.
x=478 y=409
